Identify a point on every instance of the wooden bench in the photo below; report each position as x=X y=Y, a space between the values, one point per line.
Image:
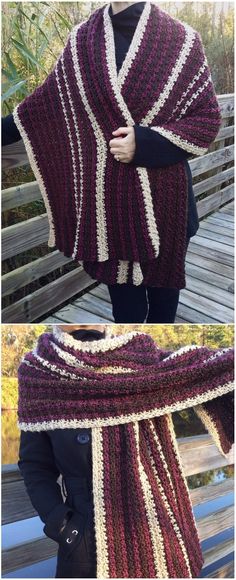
x=210 y=256
x=28 y=553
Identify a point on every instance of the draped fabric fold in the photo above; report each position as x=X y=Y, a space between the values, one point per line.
x=109 y=215
x=125 y=389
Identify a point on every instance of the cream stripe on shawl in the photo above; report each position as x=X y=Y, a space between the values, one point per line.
x=73 y=155
x=210 y=425
x=99 y=504
x=177 y=454
x=155 y=530
x=162 y=457
x=184 y=53
x=78 y=209
x=168 y=509
x=111 y=64
x=103 y=253
x=189 y=87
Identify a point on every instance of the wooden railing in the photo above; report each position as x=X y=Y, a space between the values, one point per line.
x=214 y=522
x=213 y=187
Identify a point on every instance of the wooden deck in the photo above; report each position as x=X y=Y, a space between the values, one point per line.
x=208 y=296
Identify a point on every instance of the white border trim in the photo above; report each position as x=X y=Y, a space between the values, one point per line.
x=99 y=504
x=102 y=149
x=102 y=345
x=183 y=143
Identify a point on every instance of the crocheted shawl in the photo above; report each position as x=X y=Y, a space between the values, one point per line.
x=125 y=388
x=101 y=211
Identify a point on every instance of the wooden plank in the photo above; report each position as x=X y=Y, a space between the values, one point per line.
x=217 y=228
x=101 y=291
x=206 y=184
x=225 y=133
x=217 y=236
x=211 y=491
x=190 y=315
x=95 y=306
x=213 y=201
x=211 y=244
x=28 y=273
x=218 y=219
x=20 y=195
x=226 y=571
x=73 y=314
x=27 y=554
x=207 y=289
x=206 y=307
x=215 y=523
x=197 y=247
x=48 y=297
x=227 y=218
x=24 y=236
x=14 y=155
x=211 y=160
x=226 y=105
x=209 y=265
x=207 y=276
x=217 y=552
x=199 y=454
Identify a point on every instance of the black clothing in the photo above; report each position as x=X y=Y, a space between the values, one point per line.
x=43 y=456
x=131 y=304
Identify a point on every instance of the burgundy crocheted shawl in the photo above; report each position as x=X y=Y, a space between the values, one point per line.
x=125 y=389
x=125 y=223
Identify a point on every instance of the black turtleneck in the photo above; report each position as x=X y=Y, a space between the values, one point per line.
x=152 y=150
x=87 y=334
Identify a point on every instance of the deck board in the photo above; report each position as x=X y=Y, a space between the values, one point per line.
x=208 y=296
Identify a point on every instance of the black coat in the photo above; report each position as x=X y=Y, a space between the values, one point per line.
x=43 y=457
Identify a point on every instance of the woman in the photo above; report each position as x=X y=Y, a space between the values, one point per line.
x=108 y=135
x=97 y=410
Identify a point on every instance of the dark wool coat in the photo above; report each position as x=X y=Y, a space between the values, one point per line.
x=43 y=456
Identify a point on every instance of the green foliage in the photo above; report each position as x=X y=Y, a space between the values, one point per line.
x=177 y=335
x=9 y=393
x=16 y=340
x=10 y=437
x=34 y=34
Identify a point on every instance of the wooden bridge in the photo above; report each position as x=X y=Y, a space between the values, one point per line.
x=28 y=553
x=74 y=297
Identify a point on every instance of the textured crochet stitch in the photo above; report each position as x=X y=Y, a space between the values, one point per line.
x=124 y=223
x=125 y=389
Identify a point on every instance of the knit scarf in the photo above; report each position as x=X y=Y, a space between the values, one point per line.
x=125 y=389
x=117 y=217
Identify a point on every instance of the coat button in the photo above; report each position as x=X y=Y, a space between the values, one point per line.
x=83 y=438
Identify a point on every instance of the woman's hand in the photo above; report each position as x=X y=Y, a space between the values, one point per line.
x=123 y=147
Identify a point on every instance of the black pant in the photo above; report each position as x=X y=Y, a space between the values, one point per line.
x=133 y=303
